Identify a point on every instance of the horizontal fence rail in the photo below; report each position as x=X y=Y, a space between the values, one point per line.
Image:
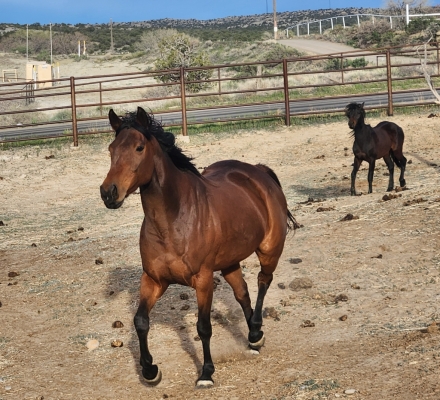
x=277 y=89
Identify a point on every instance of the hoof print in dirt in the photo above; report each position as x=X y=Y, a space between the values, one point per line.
x=349 y=217
x=322 y=209
x=270 y=312
x=307 y=324
x=183 y=296
x=341 y=298
x=301 y=283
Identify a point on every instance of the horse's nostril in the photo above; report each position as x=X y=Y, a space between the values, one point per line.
x=114 y=192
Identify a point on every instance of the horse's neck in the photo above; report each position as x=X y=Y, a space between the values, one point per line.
x=167 y=193
x=363 y=132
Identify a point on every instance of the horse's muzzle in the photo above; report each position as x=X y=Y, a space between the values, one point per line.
x=110 y=197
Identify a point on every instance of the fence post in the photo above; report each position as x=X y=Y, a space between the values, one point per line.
x=342 y=68
x=219 y=82
x=286 y=92
x=100 y=98
x=390 y=85
x=74 y=122
x=183 y=101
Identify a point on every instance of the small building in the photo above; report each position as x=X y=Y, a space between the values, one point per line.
x=39 y=71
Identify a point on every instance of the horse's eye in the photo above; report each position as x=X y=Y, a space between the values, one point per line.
x=139 y=148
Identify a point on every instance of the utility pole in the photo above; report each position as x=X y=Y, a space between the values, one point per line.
x=275 y=28
x=111 y=36
x=50 y=30
x=27 y=42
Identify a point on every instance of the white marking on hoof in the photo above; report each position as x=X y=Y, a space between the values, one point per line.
x=155 y=380
x=203 y=384
x=257 y=345
x=254 y=352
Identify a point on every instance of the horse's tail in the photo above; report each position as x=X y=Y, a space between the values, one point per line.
x=291 y=221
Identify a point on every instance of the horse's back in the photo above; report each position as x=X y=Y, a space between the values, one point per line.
x=390 y=131
x=255 y=189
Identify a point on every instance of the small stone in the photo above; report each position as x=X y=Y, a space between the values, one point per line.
x=8 y=388
x=185 y=307
x=92 y=344
x=117 y=324
x=99 y=261
x=13 y=274
x=2 y=223
x=117 y=343
x=350 y=391
x=354 y=286
x=295 y=260
x=349 y=217
x=343 y=318
x=254 y=352
x=197 y=338
x=307 y=324
x=281 y=285
x=433 y=328
x=33 y=245
x=183 y=296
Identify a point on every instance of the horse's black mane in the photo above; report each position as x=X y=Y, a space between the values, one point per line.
x=166 y=140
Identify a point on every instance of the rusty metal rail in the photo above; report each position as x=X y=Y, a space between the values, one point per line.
x=234 y=92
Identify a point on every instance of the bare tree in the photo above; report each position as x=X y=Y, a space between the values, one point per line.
x=398 y=7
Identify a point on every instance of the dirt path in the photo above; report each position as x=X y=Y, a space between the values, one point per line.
x=313 y=46
x=368 y=287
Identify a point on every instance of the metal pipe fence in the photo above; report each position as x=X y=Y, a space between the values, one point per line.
x=283 y=88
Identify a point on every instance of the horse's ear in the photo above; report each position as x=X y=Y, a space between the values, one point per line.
x=362 y=105
x=143 y=118
x=115 y=121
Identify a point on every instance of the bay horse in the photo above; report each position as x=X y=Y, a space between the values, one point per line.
x=195 y=224
x=385 y=141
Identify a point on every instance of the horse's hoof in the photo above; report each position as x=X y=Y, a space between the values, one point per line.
x=204 y=384
x=155 y=381
x=258 y=345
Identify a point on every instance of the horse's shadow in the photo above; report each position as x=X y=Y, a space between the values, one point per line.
x=301 y=193
x=168 y=311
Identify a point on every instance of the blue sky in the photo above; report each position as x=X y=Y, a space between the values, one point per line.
x=101 y=11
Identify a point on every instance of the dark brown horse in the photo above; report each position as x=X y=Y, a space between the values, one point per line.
x=385 y=141
x=194 y=225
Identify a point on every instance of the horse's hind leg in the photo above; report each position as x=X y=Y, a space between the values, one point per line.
x=150 y=292
x=400 y=161
x=234 y=277
x=390 y=164
x=268 y=264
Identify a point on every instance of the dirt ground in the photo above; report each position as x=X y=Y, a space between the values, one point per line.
x=352 y=307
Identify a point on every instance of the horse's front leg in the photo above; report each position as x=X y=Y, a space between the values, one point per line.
x=150 y=292
x=370 y=175
x=356 y=164
x=204 y=291
x=390 y=164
